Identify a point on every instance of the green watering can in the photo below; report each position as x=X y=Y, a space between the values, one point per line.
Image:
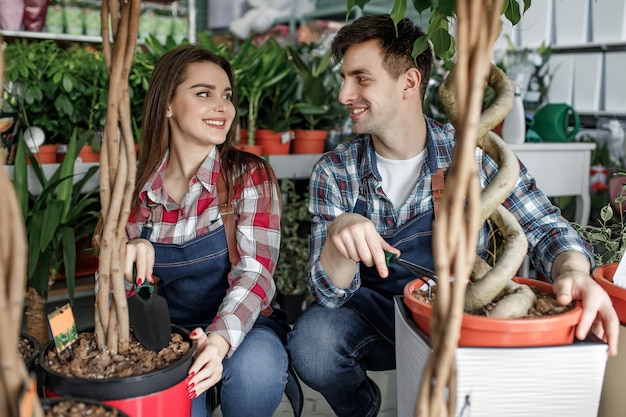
x=551 y=122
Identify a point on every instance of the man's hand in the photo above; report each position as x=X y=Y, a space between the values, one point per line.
x=353 y=238
x=572 y=282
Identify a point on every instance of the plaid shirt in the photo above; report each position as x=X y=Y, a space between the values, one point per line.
x=251 y=286
x=338 y=176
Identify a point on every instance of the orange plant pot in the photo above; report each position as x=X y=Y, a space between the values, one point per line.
x=253 y=149
x=86 y=154
x=603 y=275
x=309 y=141
x=490 y=332
x=47 y=154
x=272 y=142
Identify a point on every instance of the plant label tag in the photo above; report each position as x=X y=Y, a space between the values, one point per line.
x=619 y=278
x=285 y=136
x=63 y=327
x=27 y=399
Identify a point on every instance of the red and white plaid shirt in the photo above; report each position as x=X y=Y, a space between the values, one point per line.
x=257 y=215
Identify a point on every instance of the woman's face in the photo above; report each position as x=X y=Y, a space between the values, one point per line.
x=201 y=111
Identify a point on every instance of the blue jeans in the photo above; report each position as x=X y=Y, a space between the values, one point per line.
x=332 y=350
x=253 y=380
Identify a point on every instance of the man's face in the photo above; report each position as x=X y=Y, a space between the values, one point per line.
x=368 y=90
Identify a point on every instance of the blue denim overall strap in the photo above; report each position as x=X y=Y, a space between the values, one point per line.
x=193 y=277
x=374 y=299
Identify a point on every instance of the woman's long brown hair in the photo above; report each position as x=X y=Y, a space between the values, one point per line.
x=169 y=72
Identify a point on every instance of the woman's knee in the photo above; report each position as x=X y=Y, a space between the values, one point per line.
x=262 y=357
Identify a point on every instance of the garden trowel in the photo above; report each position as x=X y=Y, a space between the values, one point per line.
x=149 y=317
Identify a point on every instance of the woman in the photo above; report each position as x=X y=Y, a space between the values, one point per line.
x=177 y=233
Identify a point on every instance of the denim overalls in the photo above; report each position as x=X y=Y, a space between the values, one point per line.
x=374 y=299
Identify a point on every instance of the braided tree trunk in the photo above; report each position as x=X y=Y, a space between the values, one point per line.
x=13 y=256
x=117 y=174
x=463 y=211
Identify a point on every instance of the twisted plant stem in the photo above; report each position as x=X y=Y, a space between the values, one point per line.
x=117 y=173
x=456 y=227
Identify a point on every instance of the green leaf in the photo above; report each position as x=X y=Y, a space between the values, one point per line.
x=352 y=3
x=420 y=45
x=442 y=40
x=68 y=243
x=51 y=221
x=398 y=12
x=20 y=176
x=606 y=213
x=421 y=5
x=512 y=11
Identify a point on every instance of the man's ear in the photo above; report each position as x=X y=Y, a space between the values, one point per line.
x=412 y=82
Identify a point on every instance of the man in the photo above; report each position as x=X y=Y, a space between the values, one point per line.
x=374 y=194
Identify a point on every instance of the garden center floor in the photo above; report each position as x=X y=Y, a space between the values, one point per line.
x=314 y=403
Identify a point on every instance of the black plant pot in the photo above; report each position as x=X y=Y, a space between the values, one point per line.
x=31 y=361
x=161 y=393
x=48 y=403
x=293 y=305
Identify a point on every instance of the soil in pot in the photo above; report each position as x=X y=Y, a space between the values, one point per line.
x=75 y=407
x=139 y=382
x=28 y=348
x=547 y=323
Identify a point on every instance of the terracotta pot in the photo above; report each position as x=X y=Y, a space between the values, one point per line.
x=161 y=393
x=603 y=275
x=273 y=143
x=254 y=149
x=47 y=154
x=86 y=154
x=490 y=332
x=309 y=141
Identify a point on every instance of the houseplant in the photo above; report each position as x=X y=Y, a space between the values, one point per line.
x=608 y=239
x=317 y=104
x=54 y=219
x=291 y=273
x=257 y=70
x=65 y=88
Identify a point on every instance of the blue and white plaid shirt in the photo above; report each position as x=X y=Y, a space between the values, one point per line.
x=338 y=176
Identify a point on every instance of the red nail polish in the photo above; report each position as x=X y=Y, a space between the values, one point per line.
x=192 y=395
x=191 y=374
x=139 y=281
x=192 y=334
x=190 y=386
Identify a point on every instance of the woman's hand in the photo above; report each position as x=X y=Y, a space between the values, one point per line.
x=207 y=367
x=139 y=252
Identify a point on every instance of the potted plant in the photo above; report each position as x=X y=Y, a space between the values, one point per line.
x=317 y=104
x=608 y=238
x=291 y=274
x=257 y=69
x=65 y=88
x=277 y=114
x=55 y=218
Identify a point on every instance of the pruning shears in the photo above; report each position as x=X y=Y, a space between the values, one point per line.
x=420 y=272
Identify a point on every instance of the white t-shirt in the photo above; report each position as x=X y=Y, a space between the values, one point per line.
x=400 y=176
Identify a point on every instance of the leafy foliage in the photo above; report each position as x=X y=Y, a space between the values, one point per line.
x=319 y=87
x=65 y=88
x=442 y=12
x=291 y=274
x=56 y=217
x=609 y=237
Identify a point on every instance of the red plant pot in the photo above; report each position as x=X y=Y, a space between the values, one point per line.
x=603 y=275
x=162 y=393
x=491 y=332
